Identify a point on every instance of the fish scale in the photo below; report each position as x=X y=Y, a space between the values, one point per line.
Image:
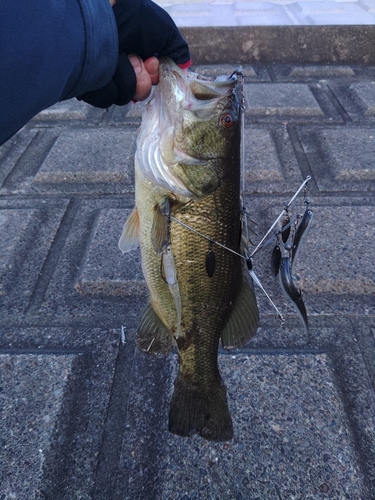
x=206 y=302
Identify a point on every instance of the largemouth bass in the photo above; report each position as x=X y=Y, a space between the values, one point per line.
x=187 y=195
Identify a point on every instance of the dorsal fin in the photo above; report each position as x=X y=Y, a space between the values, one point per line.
x=243 y=320
x=129 y=240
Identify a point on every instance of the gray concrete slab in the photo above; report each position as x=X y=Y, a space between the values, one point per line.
x=341 y=159
x=28 y=230
x=106 y=161
x=303 y=404
x=106 y=271
x=300 y=44
x=269 y=13
x=283 y=99
x=31 y=399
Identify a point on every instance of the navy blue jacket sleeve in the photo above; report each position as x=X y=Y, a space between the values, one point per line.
x=51 y=50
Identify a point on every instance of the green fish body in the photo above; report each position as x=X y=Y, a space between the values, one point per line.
x=187 y=170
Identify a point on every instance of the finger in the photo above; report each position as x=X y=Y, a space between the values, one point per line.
x=144 y=85
x=152 y=66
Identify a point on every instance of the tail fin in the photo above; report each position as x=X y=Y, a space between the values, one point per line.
x=194 y=410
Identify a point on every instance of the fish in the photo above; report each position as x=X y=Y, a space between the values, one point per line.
x=186 y=220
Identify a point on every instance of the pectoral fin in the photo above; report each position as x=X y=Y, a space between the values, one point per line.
x=129 y=239
x=243 y=321
x=153 y=336
x=159 y=231
x=169 y=270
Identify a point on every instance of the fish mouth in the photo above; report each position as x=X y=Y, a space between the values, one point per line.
x=202 y=88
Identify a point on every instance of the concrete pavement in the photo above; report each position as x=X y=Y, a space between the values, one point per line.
x=83 y=414
x=187 y=13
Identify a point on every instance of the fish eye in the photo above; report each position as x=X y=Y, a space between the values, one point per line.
x=227 y=119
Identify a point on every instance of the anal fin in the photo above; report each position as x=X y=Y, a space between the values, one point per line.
x=243 y=321
x=153 y=336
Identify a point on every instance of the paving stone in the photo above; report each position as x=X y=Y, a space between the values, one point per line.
x=337 y=254
x=330 y=13
x=91 y=279
x=262 y=158
x=259 y=14
x=354 y=162
x=250 y=73
x=309 y=72
x=26 y=238
x=334 y=269
x=66 y=374
x=106 y=270
x=276 y=12
x=302 y=402
x=280 y=99
x=32 y=389
x=364 y=94
x=11 y=151
x=289 y=442
x=71 y=109
x=341 y=159
x=90 y=158
x=290 y=335
x=269 y=160
x=122 y=114
x=13 y=225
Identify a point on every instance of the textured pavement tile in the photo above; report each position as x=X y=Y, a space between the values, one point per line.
x=262 y=158
x=251 y=73
x=123 y=114
x=302 y=402
x=91 y=159
x=335 y=267
x=336 y=256
x=353 y=163
x=332 y=13
x=292 y=336
x=356 y=99
x=27 y=235
x=341 y=158
x=106 y=271
x=11 y=151
x=364 y=94
x=13 y=225
x=291 y=436
x=91 y=278
x=68 y=377
x=260 y=14
x=309 y=72
x=269 y=161
x=280 y=99
x=32 y=388
x=71 y=109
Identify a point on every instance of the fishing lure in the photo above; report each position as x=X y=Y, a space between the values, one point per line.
x=290 y=290
x=301 y=232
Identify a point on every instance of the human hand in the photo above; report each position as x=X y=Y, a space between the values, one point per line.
x=147 y=74
x=146 y=30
